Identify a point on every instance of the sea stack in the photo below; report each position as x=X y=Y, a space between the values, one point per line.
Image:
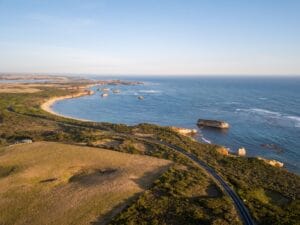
x=213 y=123
x=184 y=131
x=223 y=151
x=89 y=92
x=241 y=151
x=116 y=91
x=272 y=162
x=105 y=89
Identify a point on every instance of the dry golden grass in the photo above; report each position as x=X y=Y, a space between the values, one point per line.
x=53 y=183
x=107 y=142
x=27 y=87
x=18 y=88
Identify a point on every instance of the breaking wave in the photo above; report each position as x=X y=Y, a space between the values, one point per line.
x=260 y=111
x=205 y=140
x=295 y=120
x=150 y=91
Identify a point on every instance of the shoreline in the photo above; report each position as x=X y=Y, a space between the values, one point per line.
x=47 y=105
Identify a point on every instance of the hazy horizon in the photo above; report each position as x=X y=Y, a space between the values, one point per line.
x=150 y=38
x=154 y=75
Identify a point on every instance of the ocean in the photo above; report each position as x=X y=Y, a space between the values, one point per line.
x=263 y=113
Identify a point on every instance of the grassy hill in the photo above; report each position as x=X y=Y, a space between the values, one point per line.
x=182 y=193
x=53 y=183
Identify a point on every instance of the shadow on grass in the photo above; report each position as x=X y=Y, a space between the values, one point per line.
x=7 y=170
x=144 y=182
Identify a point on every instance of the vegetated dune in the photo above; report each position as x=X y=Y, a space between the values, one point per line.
x=18 y=88
x=30 y=87
x=53 y=183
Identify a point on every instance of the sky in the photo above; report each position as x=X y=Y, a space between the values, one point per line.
x=150 y=37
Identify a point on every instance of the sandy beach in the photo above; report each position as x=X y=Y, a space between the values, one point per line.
x=47 y=106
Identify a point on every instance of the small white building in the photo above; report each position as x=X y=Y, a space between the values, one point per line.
x=241 y=151
x=25 y=141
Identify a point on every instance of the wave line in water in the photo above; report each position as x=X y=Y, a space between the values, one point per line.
x=205 y=140
x=295 y=120
x=150 y=91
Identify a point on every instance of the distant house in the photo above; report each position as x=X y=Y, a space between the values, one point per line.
x=25 y=141
x=241 y=152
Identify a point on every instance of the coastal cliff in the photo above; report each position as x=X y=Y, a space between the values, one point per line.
x=272 y=162
x=184 y=131
x=254 y=181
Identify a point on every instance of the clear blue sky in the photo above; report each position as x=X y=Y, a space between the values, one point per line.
x=150 y=36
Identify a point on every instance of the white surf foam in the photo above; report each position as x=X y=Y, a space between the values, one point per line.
x=149 y=83
x=205 y=140
x=259 y=111
x=265 y=112
x=296 y=119
x=150 y=91
x=291 y=119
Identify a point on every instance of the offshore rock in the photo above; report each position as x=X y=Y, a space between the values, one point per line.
x=184 y=131
x=213 y=123
x=272 y=162
x=223 y=151
x=241 y=152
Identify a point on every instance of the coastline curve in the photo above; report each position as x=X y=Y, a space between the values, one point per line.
x=47 y=105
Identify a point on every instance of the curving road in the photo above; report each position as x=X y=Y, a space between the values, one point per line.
x=239 y=204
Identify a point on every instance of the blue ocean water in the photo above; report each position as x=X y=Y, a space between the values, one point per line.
x=261 y=111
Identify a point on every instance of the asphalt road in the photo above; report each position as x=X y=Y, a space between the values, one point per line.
x=239 y=204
